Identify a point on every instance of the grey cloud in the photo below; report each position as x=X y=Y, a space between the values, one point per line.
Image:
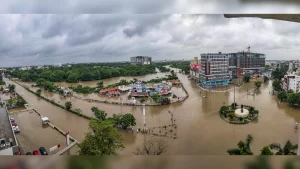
x=47 y=39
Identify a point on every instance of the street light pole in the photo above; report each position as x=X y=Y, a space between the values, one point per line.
x=234 y=93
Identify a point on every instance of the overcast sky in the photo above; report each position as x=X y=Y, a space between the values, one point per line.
x=150 y=6
x=49 y=39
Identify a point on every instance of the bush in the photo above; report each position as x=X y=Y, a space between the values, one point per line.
x=223 y=109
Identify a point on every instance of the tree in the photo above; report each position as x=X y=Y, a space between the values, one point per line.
x=127 y=120
x=155 y=97
x=293 y=98
x=40 y=82
x=61 y=92
x=104 y=140
x=99 y=114
x=1 y=89
x=288 y=149
x=243 y=147
x=153 y=147
x=100 y=84
x=142 y=100
x=38 y=92
x=257 y=84
x=246 y=78
x=223 y=109
x=266 y=151
x=11 y=87
x=163 y=100
x=282 y=95
x=266 y=79
x=68 y=105
x=276 y=85
x=73 y=78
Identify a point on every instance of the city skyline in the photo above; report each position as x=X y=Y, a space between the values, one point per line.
x=48 y=39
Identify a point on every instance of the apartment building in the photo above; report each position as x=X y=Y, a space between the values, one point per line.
x=214 y=70
x=145 y=60
x=291 y=82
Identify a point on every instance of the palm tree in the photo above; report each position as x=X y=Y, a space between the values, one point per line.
x=243 y=147
x=288 y=149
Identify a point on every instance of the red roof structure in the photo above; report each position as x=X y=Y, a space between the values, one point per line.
x=108 y=90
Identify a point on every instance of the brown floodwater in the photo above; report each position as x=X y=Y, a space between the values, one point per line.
x=200 y=129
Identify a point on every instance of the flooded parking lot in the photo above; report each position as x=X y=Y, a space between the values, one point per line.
x=200 y=129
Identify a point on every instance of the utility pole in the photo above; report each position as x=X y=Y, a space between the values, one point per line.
x=144 y=114
x=234 y=93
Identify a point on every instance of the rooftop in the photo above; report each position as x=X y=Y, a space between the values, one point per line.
x=6 y=132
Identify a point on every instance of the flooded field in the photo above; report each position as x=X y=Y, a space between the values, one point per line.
x=200 y=129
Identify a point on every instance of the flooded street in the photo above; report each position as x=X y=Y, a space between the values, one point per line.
x=200 y=129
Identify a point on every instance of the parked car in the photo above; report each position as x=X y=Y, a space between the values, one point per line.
x=43 y=151
x=12 y=119
x=16 y=129
x=14 y=124
x=35 y=152
x=2 y=143
x=28 y=153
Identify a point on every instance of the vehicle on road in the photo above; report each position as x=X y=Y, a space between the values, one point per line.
x=14 y=124
x=16 y=129
x=12 y=119
x=43 y=151
x=2 y=143
x=45 y=120
x=35 y=152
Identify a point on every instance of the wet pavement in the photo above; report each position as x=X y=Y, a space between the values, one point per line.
x=200 y=129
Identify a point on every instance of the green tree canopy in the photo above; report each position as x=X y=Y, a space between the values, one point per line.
x=257 y=84
x=276 y=85
x=99 y=114
x=266 y=151
x=73 y=78
x=243 y=147
x=282 y=95
x=127 y=120
x=68 y=105
x=288 y=149
x=104 y=140
x=246 y=78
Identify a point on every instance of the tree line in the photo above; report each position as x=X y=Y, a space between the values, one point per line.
x=82 y=72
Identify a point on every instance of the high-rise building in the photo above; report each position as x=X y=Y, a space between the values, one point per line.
x=145 y=60
x=214 y=70
x=247 y=61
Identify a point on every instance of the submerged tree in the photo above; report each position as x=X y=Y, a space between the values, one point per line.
x=246 y=78
x=99 y=114
x=243 y=147
x=257 y=84
x=266 y=151
x=68 y=105
x=288 y=149
x=153 y=147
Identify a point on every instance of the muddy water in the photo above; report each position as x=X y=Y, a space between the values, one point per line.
x=200 y=129
x=28 y=139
